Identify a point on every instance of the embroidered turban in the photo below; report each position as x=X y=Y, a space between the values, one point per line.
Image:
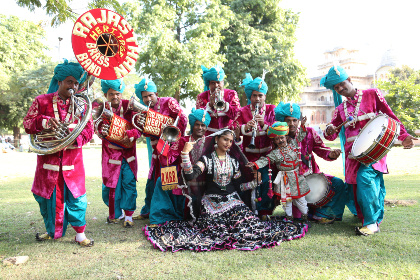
x=145 y=85
x=117 y=85
x=65 y=69
x=250 y=85
x=215 y=73
x=278 y=128
x=287 y=110
x=198 y=115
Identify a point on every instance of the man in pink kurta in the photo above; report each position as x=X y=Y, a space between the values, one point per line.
x=367 y=181
x=59 y=183
x=119 y=164
x=249 y=121
x=146 y=91
x=213 y=83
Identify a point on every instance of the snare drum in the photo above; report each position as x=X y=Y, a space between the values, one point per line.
x=375 y=140
x=321 y=190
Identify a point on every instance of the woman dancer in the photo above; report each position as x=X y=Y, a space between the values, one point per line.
x=225 y=221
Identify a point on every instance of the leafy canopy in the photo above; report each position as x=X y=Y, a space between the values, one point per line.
x=403 y=88
x=61 y=11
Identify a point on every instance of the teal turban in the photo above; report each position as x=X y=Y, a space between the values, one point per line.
x=336 y=75
x=250 y=85
x=215 y=73
x=117 y=85
x=198 y=115
x=63 y=70
x=144 y=85
x=287 y=110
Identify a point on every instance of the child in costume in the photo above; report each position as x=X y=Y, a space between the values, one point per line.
x=288 y=185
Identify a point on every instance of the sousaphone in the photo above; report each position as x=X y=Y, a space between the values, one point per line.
x=104 y=45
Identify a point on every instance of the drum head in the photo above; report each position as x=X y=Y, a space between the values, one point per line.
x=318 y=186
x=372 y=130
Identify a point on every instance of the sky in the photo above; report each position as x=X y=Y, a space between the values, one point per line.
x=371 y=26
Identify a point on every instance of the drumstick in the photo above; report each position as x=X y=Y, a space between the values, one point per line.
x=349 y=119
x=326 y=148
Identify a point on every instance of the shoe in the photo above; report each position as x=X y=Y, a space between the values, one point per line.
x=141 y=217
x=112 y=221
x=265 y=218
x=325 y=221
x=365 y=231
x=85 y=243
x=42 y=237
x=128 y=224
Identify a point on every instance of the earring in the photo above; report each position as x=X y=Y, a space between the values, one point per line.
x=228 y=150
x=215 y=146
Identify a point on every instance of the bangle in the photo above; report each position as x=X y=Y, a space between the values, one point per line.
x=184 y=153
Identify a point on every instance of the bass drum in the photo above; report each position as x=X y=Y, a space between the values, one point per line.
x=321 y=190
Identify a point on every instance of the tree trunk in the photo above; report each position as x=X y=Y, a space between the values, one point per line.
x=16 y=136
x=177 y=92
x=243 y=100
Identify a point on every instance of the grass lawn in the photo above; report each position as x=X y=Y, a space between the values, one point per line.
x=326 y=252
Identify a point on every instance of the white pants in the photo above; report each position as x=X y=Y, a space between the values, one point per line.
x=300 y=203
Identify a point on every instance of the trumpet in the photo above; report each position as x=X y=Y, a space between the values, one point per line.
x=219 y=102
x=171 y=133
x=254 y=129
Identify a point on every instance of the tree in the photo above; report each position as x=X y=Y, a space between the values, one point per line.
x=177 y=37
x=23 y=90
x=21 y=48
x=260 y=36
x=403 y=96
x=61 y=11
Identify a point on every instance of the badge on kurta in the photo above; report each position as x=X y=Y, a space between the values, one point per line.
x=169 y=177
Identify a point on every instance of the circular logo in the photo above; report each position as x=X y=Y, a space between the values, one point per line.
x=104 y=44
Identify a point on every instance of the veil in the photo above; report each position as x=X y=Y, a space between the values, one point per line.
x=205 y=146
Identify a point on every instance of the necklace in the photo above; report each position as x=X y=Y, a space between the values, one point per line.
x=359 y=95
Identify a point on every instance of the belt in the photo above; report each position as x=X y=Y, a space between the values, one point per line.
x=54 y=167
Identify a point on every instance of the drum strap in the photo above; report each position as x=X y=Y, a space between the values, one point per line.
x=356 y=110
x=363 y=117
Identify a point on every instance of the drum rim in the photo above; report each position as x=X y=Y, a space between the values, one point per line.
x=376 y=140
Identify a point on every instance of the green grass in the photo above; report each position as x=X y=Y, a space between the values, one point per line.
x=326 y=252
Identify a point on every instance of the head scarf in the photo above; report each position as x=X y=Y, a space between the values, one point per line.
x=65 y=69
x=336 y=75
x=215 y=73
x=198 y=115
x=287 y=110
x=278 y=128
x=145 y=85
x=250 y=85
x=117 y=85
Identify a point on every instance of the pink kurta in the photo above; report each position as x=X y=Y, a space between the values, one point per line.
x=220 y=119
x=262 y=141
x=113 y=155
x=69 y=160
x=372 y=102
x=167 y=106
x=312 y=143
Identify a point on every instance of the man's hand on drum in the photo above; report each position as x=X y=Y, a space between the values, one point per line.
x=408 y=142
x=334 y=154
x=331 y=129
x=188 y=147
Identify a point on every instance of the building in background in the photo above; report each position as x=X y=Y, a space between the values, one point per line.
x=317 y=102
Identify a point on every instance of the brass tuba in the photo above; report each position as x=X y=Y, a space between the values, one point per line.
x=50 y=141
